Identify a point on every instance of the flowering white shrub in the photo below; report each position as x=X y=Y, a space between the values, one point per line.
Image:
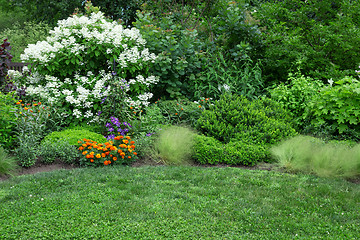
x=78 y=64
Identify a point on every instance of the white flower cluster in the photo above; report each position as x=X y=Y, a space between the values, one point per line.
x=96 y=27
x=143 y=100
x=89 y=91
x=145 y=81
x=85 y=89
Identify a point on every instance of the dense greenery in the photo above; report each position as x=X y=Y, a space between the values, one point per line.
x=177 y=203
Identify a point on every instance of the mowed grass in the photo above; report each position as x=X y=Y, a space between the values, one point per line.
x=177 y=203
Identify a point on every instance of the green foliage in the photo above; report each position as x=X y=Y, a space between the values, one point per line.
x=173 y=145
x=311 y=155
x=338 y=106
x=21 y=35
x=234 y=30
x=7 y=163
x=72 y=136
x=182 y=111
x=7 y=120
x=296 y=96
x=26 y=150
x=223 y=74
x=321 y=38
x=48 y=152
x=180 y=56
x=208 y=150
x=260 y=121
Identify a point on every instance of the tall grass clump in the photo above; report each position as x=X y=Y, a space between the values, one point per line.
x=174 y=145
x=7 y=163
x=311 y=155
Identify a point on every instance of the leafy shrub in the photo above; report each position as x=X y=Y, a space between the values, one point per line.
x=182 y=111
x=311 y=155
x=222 y=74
x=296 y=96
x=261 y=121
x=208 y=150
x=26 y=150
x=338 y=106
x=33 y=119
x=72 y=136
x=21 y=35
x=90 y=68
x=321 y=38
x=173 y=145
x=7 y=163
x=119 y=151
x=7 y=120
x=180 y=53
x=48 y=152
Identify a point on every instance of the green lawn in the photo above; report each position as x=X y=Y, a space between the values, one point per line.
x=177 y=203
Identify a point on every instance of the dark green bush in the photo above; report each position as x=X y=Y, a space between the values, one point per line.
x=321 y=38
x=65 y=152
x=179 y=50
x=73 y=136
x=208 y=150
x=260 y=121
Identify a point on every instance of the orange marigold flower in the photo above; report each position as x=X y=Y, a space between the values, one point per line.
x=199 y=106
x=79 y=141
x=132 y=142
x=175 y=113
x=105 y=162
x=107 y=153
x=117 y=138
x=98 y=156
x=131 y=107
x=17 y=103
x=81 y=148
x=127 y=137
x=85 y=140
x=114 y=158
x=26 y=108
x=84 y=153
x=103 y=155
x=111 y=155
x=135 y=153
x=121 y=137
x=91 y=160
x=84 y=145
x=129 y=157
x=125 y=141
x=182 y=109
x=20 y=100
x=89 y=147
x=132 y=146
x=92 y=153
x=88 y=156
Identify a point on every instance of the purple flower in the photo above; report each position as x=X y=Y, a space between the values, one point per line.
x=99 y=113
x=111 y=129
x=103 y=100
x=111 y=136
x=108 y=125
x=149 y=134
